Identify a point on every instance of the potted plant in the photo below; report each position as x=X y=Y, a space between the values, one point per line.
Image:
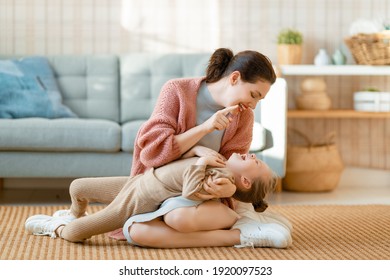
x=290 y=46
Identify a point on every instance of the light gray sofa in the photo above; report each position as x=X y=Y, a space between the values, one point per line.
x=112 y=96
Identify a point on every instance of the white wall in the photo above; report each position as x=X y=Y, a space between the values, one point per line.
x=117 y=26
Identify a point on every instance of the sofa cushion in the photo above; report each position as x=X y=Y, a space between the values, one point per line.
x=129 y=133
x=29 y=89
x=38 y=134
x=89 y=84
x=143 y=75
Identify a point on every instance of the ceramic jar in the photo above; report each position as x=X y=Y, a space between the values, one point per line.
x=322 y=58
x=313 y=95
x=339 y=58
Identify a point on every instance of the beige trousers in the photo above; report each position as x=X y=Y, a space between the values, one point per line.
x=107 y=190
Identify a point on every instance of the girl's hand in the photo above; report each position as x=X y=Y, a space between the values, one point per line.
x=202 y=151
x=218 y=188
x=221 y=119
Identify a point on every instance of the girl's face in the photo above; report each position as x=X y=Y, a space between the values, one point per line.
x=244 y=93
x=248 y=165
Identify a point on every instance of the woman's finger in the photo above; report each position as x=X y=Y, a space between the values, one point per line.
x=220 y=162
x=222 y=123
x=231 y=109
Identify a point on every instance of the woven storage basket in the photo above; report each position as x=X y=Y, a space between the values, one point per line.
x=318 y=101
x=370 y=49
x=314 y=167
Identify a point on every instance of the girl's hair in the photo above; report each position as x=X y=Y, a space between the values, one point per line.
x=258 y=191
x=252 y=65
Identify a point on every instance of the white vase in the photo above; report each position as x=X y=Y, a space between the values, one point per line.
x=322 y=58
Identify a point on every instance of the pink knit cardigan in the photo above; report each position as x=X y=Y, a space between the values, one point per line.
x=175 y=113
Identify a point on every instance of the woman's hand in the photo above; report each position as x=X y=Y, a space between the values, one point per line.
x=213 y=161
x=221 y=119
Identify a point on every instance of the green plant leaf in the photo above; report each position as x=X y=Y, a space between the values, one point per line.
x=290 y=37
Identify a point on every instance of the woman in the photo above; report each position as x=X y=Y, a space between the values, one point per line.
x=212 y=111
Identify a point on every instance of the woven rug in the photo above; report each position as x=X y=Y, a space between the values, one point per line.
x=320 y=233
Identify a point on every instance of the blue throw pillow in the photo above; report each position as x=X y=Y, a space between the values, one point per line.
x=28 y=89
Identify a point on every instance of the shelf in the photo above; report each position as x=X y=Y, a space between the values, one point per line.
x=333 y=114
x=334 y=70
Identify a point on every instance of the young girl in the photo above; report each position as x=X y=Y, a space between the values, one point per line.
x=144 y=193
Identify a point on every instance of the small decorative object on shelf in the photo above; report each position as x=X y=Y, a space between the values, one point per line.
x=290 y=47
x=372 y=100
x=313 y=95
x=386 y=24
x=338 y=58
x=322 y=58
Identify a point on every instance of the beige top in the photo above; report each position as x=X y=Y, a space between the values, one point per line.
x=182 y=177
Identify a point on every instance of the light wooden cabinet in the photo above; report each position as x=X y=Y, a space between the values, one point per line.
x=363 y=137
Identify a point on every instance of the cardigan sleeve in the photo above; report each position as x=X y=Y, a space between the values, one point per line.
x=156 y=137
x=155 y=143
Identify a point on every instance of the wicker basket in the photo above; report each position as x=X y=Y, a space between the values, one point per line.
x=370 y=49
x=314 y=167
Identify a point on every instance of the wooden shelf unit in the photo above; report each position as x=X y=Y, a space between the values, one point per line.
x=361 y=136
x=334 y=70
x=333 y=114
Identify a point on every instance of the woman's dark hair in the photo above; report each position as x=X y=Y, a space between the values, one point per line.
x=252 y=65
x=258 y=191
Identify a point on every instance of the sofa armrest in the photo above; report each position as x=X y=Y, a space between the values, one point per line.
x=273 y=117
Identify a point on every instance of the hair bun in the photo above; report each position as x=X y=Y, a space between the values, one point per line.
x=222 y=57
x=260 y=206
x=218 y=63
